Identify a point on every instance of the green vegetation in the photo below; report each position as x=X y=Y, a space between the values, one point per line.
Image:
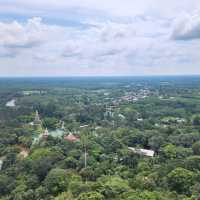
x=101 y=118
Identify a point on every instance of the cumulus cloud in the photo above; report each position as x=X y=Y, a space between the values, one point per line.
x=187 y=27
x=101 y=40
x=16 y=35
x=31 y=37
x=98 y=37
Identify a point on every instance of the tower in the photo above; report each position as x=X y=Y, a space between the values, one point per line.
x=37 y=123
x=37 y=120
x=109 y=113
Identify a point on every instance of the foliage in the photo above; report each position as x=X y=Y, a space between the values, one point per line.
x=107 y=116
x=56 y=181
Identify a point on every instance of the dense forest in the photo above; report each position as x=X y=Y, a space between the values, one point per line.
x=100 y=138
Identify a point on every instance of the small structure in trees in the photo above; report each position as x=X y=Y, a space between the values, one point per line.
x=45 y=134
x=71 y=138
x=84 y=126
x=1 y=162
x=144 y=152
x=62 y=125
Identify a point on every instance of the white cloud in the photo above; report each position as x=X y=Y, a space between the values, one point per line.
x=109 y=37
x=15 y=37
x=187 y=27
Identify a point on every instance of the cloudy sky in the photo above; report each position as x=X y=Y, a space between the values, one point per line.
x=99 y=37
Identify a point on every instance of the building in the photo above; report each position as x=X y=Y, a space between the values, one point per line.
x=139 y=119
x=121 y=116
x=144 y=152
x=45 y=134
x=84 y=126
x=71 y=138
x=109 y=112
x=37 y=120
x=1 y=164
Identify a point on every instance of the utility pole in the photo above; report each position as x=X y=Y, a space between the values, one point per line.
x=84 y=142
x=85 y=157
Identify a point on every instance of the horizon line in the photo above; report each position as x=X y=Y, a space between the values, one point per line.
x=104 y=76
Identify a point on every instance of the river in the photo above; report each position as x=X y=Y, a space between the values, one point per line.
x=11 y=103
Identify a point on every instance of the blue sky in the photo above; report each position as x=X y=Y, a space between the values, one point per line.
x=99 y=37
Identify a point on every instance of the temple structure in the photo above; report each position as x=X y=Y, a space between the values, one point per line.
x=37 y=121
x=45 y=134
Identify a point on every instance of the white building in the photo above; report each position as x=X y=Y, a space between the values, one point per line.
x=1 y=163
x=145 y=152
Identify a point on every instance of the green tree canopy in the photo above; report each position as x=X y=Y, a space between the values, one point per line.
x=56 y=181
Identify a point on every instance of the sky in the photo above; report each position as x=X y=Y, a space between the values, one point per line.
x=99 y=37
